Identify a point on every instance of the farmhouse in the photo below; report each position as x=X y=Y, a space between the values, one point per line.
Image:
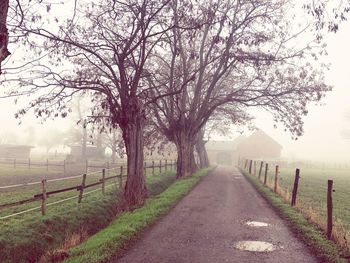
x=256 y=146
x=15 y=151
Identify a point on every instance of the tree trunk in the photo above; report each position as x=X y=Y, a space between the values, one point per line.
x=135 y=189
x=185 y=154
x=114 y=147
x=4 y=53
x=202 y=154
x=84 y=142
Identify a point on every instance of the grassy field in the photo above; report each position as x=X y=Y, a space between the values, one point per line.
x=312 y=197
x=325 y=250
x=26 y=237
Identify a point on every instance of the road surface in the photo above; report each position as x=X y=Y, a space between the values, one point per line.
x=208 y=224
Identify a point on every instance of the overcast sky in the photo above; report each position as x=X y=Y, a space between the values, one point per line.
x=322 y=139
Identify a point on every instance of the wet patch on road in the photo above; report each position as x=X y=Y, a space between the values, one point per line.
x=255 y=246
x=256 y=224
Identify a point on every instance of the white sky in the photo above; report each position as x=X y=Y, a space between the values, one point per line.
x=323 y=125
x=321 y=140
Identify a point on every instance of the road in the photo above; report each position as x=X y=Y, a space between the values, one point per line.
x=208 y=223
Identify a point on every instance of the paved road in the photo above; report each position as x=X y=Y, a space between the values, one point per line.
x=207 y=224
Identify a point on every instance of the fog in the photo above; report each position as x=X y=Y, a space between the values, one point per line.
x=325 y=127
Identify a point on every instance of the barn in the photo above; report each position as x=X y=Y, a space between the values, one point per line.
x=15 y=151
x=259 y=145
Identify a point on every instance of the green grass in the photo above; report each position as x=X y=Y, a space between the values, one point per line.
x=313 y=191
x=26 y=237
x=103 y=246
x=325 y=250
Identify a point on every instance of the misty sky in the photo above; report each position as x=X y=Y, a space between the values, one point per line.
x=322 y=139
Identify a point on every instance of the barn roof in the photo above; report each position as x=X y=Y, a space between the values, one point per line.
x=259 y=135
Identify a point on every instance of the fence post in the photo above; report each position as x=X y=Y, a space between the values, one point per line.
x=250 y=166
x=47 y=164
x=87 y=165
x=266 y=169
x=108 y=168
x=254 y=168
x=329 y=209
x=121 y=177
x=14 y=163
x=64 y=166
x=260 y=170
x=153 y=167
x=82 y=186
x=28 y=163
x=276 y=180
x=103 y=180
x=44 y=197
x=295 y=187
x=160 y=166
x=246 y=164
x=166 y=165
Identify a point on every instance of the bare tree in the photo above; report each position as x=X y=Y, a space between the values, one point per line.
x=220 y=122
x=106 y=47
x=240 y=56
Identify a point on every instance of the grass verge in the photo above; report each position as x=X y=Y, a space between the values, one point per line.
x=313 y=237
x=103 y=246
x=28 y=237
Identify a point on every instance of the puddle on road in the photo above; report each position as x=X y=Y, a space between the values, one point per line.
x=255 y=246
x=256 y=224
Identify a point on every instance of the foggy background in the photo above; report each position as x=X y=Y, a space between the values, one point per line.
x=326 y=128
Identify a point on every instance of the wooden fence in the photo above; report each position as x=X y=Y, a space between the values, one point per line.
x=86 y=166
x=250 y=167
x=119 y=179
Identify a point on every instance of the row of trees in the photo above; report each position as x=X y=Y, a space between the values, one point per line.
x=170 y=68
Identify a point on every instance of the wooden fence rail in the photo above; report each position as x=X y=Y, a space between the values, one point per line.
x=44 y=195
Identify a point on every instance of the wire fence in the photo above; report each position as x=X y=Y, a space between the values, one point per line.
x=321 y=195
